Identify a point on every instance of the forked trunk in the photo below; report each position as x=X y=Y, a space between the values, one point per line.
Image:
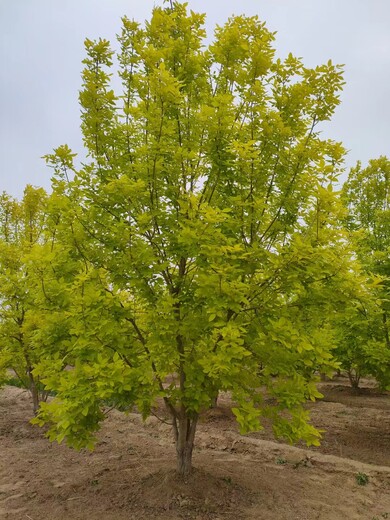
x=184 y=459
x=354 y=379
x=184 y=435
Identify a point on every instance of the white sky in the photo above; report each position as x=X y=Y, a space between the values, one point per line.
x=41 y=48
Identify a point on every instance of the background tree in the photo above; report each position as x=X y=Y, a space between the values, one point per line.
x=21 y=230
x=361 y=349
x=207 y=225
x=367 y=198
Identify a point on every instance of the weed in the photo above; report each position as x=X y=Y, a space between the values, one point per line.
x=306 y=463
x=361 y=479
x=281 y=461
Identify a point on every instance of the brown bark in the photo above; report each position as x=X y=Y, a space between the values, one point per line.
x=354 y=379
x=34 y=391
x=185 y=429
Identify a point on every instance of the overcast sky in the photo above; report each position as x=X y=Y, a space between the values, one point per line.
x=41 y=48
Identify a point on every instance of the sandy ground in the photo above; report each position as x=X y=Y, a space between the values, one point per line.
x=130 y=474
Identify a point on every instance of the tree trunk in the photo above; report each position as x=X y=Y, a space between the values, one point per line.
x=34 y=391
x=214 y=400
x=184 y=435
x=354 y=379
x=387 y=337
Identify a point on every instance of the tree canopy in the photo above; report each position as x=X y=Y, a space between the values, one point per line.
x=21 y=231
x=365 y=343
x=203 y=232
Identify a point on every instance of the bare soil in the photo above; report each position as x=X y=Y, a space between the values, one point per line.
x=131 y=473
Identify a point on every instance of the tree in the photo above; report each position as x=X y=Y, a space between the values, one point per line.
x=21 y=230
x=206 y=225
x=361 y=349
x=366 y=195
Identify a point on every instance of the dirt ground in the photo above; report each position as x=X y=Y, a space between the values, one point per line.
x=130 y=474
